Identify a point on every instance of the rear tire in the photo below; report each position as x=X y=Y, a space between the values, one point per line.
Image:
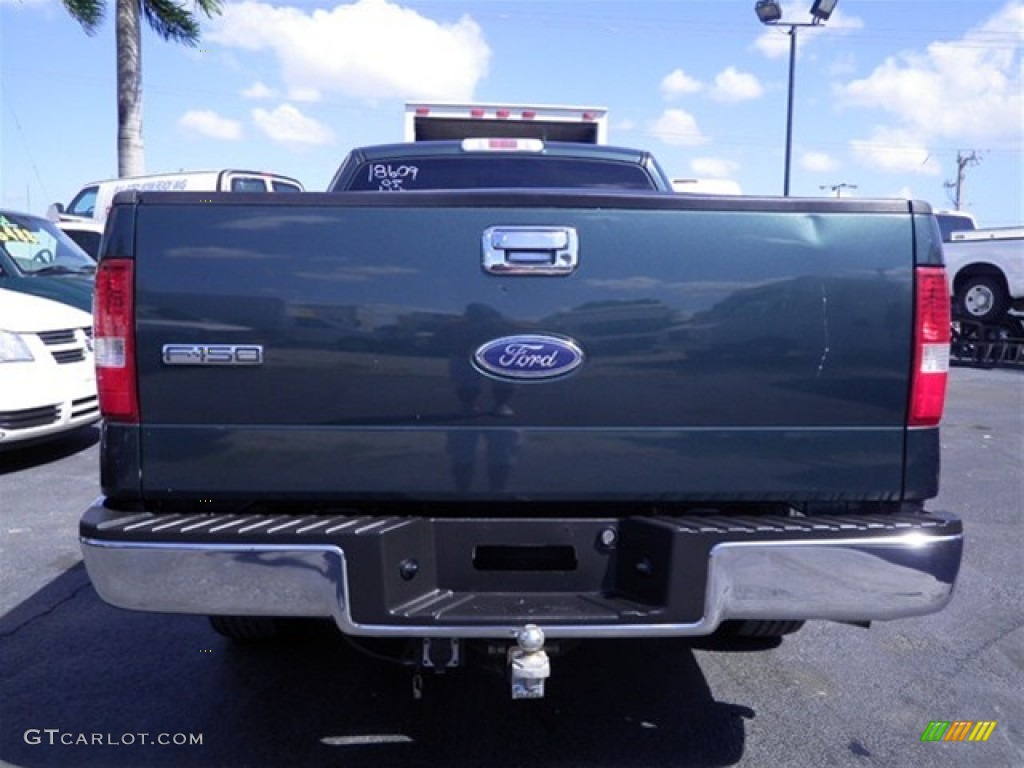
x=982 y=298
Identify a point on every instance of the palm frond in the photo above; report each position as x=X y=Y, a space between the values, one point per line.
x=210 y=8
x=174 y=22
x=171 y=21
x=88 y=13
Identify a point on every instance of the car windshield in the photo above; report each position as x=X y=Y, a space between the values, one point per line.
x=36 y=246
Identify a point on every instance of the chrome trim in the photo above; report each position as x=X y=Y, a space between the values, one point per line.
x=212 y=354
x=530 y=250
x=856 y=579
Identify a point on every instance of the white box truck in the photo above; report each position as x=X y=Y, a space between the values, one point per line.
x=434 y=121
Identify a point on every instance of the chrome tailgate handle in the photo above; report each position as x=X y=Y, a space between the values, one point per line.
x=525 y=250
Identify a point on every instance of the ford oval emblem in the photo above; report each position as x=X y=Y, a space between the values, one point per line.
x=529 y=357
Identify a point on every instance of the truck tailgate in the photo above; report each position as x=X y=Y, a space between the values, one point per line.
x=344 y=347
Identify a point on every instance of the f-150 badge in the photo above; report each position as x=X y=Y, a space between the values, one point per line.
x=528 y=357
x=213 y=354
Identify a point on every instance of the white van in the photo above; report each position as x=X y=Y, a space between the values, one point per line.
x=88 y=209
x=47 y=371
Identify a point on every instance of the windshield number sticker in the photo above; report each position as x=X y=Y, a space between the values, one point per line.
x=391 y=178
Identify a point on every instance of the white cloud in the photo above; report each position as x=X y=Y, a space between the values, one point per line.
x=679 y=128
x=773 y=43
x=964 y=91
x=308 y=95
x=896 y=151
x=211 y=125
x=371 y=49
x=677 y=83
x=259 y=91
x=843 y=65
x=287 y=125
x=713 y=167
x=818 y=161
x=733 y=85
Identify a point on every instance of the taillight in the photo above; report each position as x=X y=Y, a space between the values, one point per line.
x=931 y=347
x=115 y=340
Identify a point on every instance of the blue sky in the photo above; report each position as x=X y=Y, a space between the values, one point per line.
x=888 y=92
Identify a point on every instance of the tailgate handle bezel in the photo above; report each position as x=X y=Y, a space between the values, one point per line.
x=526 y=250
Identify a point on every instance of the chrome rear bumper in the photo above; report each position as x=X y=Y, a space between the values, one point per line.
x=700 y=578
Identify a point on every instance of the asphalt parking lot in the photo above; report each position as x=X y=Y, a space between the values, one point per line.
x=75 y=670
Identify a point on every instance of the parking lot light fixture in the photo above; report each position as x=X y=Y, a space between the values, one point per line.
x=769 y=13
x=822 y=9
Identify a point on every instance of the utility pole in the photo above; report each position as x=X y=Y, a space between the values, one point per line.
x=963 y=162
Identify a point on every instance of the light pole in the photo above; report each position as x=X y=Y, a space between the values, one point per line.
x=769 y=12
x=838 y=188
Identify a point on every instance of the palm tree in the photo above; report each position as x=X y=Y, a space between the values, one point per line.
x=169 y=20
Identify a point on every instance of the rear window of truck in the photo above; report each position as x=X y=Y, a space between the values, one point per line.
x=260 y=184
x=496 y=172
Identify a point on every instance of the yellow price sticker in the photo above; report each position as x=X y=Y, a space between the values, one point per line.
x=10 y=233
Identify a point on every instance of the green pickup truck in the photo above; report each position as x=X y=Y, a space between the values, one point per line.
x=38 y=259
x=506 y=392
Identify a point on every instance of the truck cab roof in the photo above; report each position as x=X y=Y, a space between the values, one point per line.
x=478 y=163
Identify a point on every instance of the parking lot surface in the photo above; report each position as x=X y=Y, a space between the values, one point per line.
x=85 y=684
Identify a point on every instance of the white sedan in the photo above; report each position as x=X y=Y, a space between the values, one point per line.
x=47 y=374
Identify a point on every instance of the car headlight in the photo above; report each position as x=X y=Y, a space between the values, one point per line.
x=13 y=349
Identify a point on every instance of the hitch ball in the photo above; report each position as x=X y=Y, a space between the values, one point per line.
x=530 y=638
x=528 y=663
